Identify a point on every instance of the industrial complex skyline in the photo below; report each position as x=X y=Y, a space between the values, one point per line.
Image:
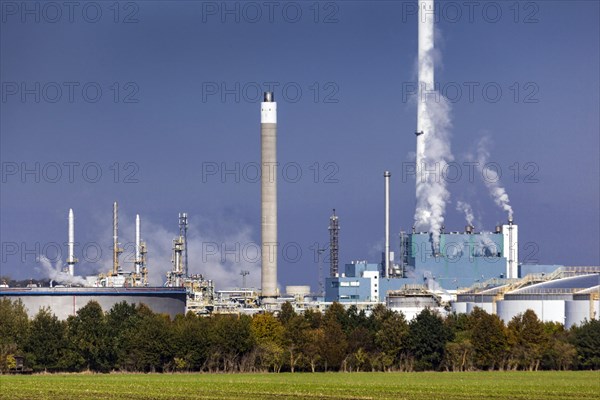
x=167 y=121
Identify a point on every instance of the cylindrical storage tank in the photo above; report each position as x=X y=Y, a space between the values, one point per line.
x=487 y=307
x=297 y=291
x=504 y=312
x=66 y=301
x=547 y=310
x=578 y=311
x=459 y=307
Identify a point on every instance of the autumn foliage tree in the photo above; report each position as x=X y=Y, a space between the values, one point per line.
x=132 y=337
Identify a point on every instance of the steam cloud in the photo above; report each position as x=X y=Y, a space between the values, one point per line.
x=491 y=178
x=55 y=272
x=486 y=243
x=218 y=253
x=432 y=284
x=433 y=144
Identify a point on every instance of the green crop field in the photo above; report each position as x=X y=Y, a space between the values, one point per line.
x=428 y=385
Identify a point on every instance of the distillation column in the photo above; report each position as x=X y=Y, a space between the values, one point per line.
x=71 y=260
x=116 y=250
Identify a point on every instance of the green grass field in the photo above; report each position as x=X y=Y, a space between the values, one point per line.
x=430 y=385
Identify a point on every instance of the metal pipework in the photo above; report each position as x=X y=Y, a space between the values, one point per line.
x=71 y=244
x=387 y=176
x=269 y=248
x=183 y=226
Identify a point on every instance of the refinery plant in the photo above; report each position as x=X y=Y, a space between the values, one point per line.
x=448 y=271
x=456 y=273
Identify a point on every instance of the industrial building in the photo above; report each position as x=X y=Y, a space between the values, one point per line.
x=460 y=260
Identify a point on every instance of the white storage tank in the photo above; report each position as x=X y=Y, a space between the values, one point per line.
x=487 y=307
x=299 y=292
x=459 y=307
x=579 y=310
x=548 y=310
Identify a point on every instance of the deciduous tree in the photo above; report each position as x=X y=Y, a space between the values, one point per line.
x=428 y=337
x=46 y=341
x=586 y=339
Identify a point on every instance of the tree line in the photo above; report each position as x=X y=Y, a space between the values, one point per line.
x=134 y=338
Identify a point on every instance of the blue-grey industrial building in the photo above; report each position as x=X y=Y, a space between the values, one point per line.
x=460 y=260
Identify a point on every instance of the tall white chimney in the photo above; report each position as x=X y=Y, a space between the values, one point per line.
x=510 y=248
x=387 y=176
x=268 y=138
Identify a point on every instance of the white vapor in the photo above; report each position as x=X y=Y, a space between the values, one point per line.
x=433 y=143
x=486 y=243
x=468 y=210
x=491 y=178
x=432 y=284
x=55 y=272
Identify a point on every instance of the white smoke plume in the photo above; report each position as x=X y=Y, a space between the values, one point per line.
x=432 y=284
x=55 y=272
x=491 y=178
x=467 y=210
x=433 y=139
x=455 y=250
x=487 y=245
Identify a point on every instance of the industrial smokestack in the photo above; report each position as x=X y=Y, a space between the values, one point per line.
x=71 y=244
x=268 y=138
x=138 y=244
x=387 y=176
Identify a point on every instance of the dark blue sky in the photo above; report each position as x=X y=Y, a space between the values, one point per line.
x=158 y=111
